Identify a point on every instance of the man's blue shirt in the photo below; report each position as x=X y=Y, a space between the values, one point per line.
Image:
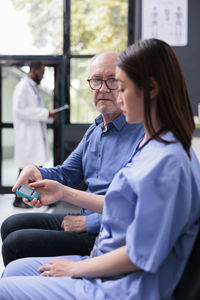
x=97 y=158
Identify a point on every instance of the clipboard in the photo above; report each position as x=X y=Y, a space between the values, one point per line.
x=61 y=108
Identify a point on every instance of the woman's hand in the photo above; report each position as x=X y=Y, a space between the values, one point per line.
x=50 y=192
x=58 y=267
x=113 y=263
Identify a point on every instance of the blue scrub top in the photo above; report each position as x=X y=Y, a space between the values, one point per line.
x=152 y=206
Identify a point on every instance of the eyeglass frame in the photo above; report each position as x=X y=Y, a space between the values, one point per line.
x=102 y=80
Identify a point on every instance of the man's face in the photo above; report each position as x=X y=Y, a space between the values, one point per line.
x=38 y=74
x=104 y=99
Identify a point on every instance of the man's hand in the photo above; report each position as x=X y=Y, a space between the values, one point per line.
x=74 y=224
x=29 y=174
x=53 y=115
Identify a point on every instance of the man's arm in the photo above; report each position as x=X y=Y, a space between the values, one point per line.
x=70 y=173
x=80 y=223
x=93 y=223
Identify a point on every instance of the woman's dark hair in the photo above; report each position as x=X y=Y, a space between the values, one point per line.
x=153 y=58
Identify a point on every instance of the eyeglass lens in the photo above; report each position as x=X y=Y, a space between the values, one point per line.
x=96 y=84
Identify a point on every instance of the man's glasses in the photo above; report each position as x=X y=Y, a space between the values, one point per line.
x=96 y=84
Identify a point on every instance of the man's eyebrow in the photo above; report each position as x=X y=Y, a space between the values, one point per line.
x=100 y=76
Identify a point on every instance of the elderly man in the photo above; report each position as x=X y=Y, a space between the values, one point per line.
x=105 y=147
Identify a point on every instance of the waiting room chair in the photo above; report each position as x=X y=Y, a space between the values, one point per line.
x=189 y=285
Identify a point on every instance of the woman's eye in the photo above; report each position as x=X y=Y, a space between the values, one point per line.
x=112 y=79
x=120 y=90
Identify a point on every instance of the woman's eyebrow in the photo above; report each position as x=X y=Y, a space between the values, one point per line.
x=119 y=80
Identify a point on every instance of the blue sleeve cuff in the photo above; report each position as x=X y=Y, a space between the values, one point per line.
x=93 y=223
x=42 y=172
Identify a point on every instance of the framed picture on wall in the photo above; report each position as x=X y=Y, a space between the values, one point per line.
x=166 y=20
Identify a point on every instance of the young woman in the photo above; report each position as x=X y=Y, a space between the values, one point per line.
x=151 y=209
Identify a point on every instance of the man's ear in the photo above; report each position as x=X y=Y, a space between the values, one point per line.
x=153 y=88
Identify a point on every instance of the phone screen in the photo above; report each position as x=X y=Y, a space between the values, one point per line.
x=26 y=190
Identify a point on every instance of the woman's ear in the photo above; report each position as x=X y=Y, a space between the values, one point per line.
x=153 y=88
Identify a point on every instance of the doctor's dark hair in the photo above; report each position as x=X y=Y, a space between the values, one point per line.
x=36 y=65
x=153 y=58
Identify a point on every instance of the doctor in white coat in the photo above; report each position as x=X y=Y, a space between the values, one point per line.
x=30 y=117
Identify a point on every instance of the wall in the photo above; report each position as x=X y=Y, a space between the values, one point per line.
x=189 y=56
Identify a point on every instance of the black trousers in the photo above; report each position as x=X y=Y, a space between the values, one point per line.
x=40 y=234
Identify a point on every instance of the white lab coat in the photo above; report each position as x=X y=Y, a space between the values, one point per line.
x=30 y=130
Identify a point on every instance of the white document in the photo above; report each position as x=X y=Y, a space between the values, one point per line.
x=61 y=108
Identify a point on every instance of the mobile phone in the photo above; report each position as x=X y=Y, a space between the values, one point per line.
x=27 y=192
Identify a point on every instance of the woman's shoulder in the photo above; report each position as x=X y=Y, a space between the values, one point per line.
x=160 y=158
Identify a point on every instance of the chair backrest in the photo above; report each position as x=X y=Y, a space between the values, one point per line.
x=189 y=285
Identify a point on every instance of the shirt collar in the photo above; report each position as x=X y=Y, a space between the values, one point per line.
x=118 y=123
x=32 y=82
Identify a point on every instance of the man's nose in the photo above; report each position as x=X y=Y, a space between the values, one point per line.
x=104 y=88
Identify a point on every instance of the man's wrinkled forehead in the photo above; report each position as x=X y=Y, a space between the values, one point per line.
x=102 y=71
x=103 y=64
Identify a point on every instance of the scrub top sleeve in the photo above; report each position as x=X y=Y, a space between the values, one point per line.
x=161 y=212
